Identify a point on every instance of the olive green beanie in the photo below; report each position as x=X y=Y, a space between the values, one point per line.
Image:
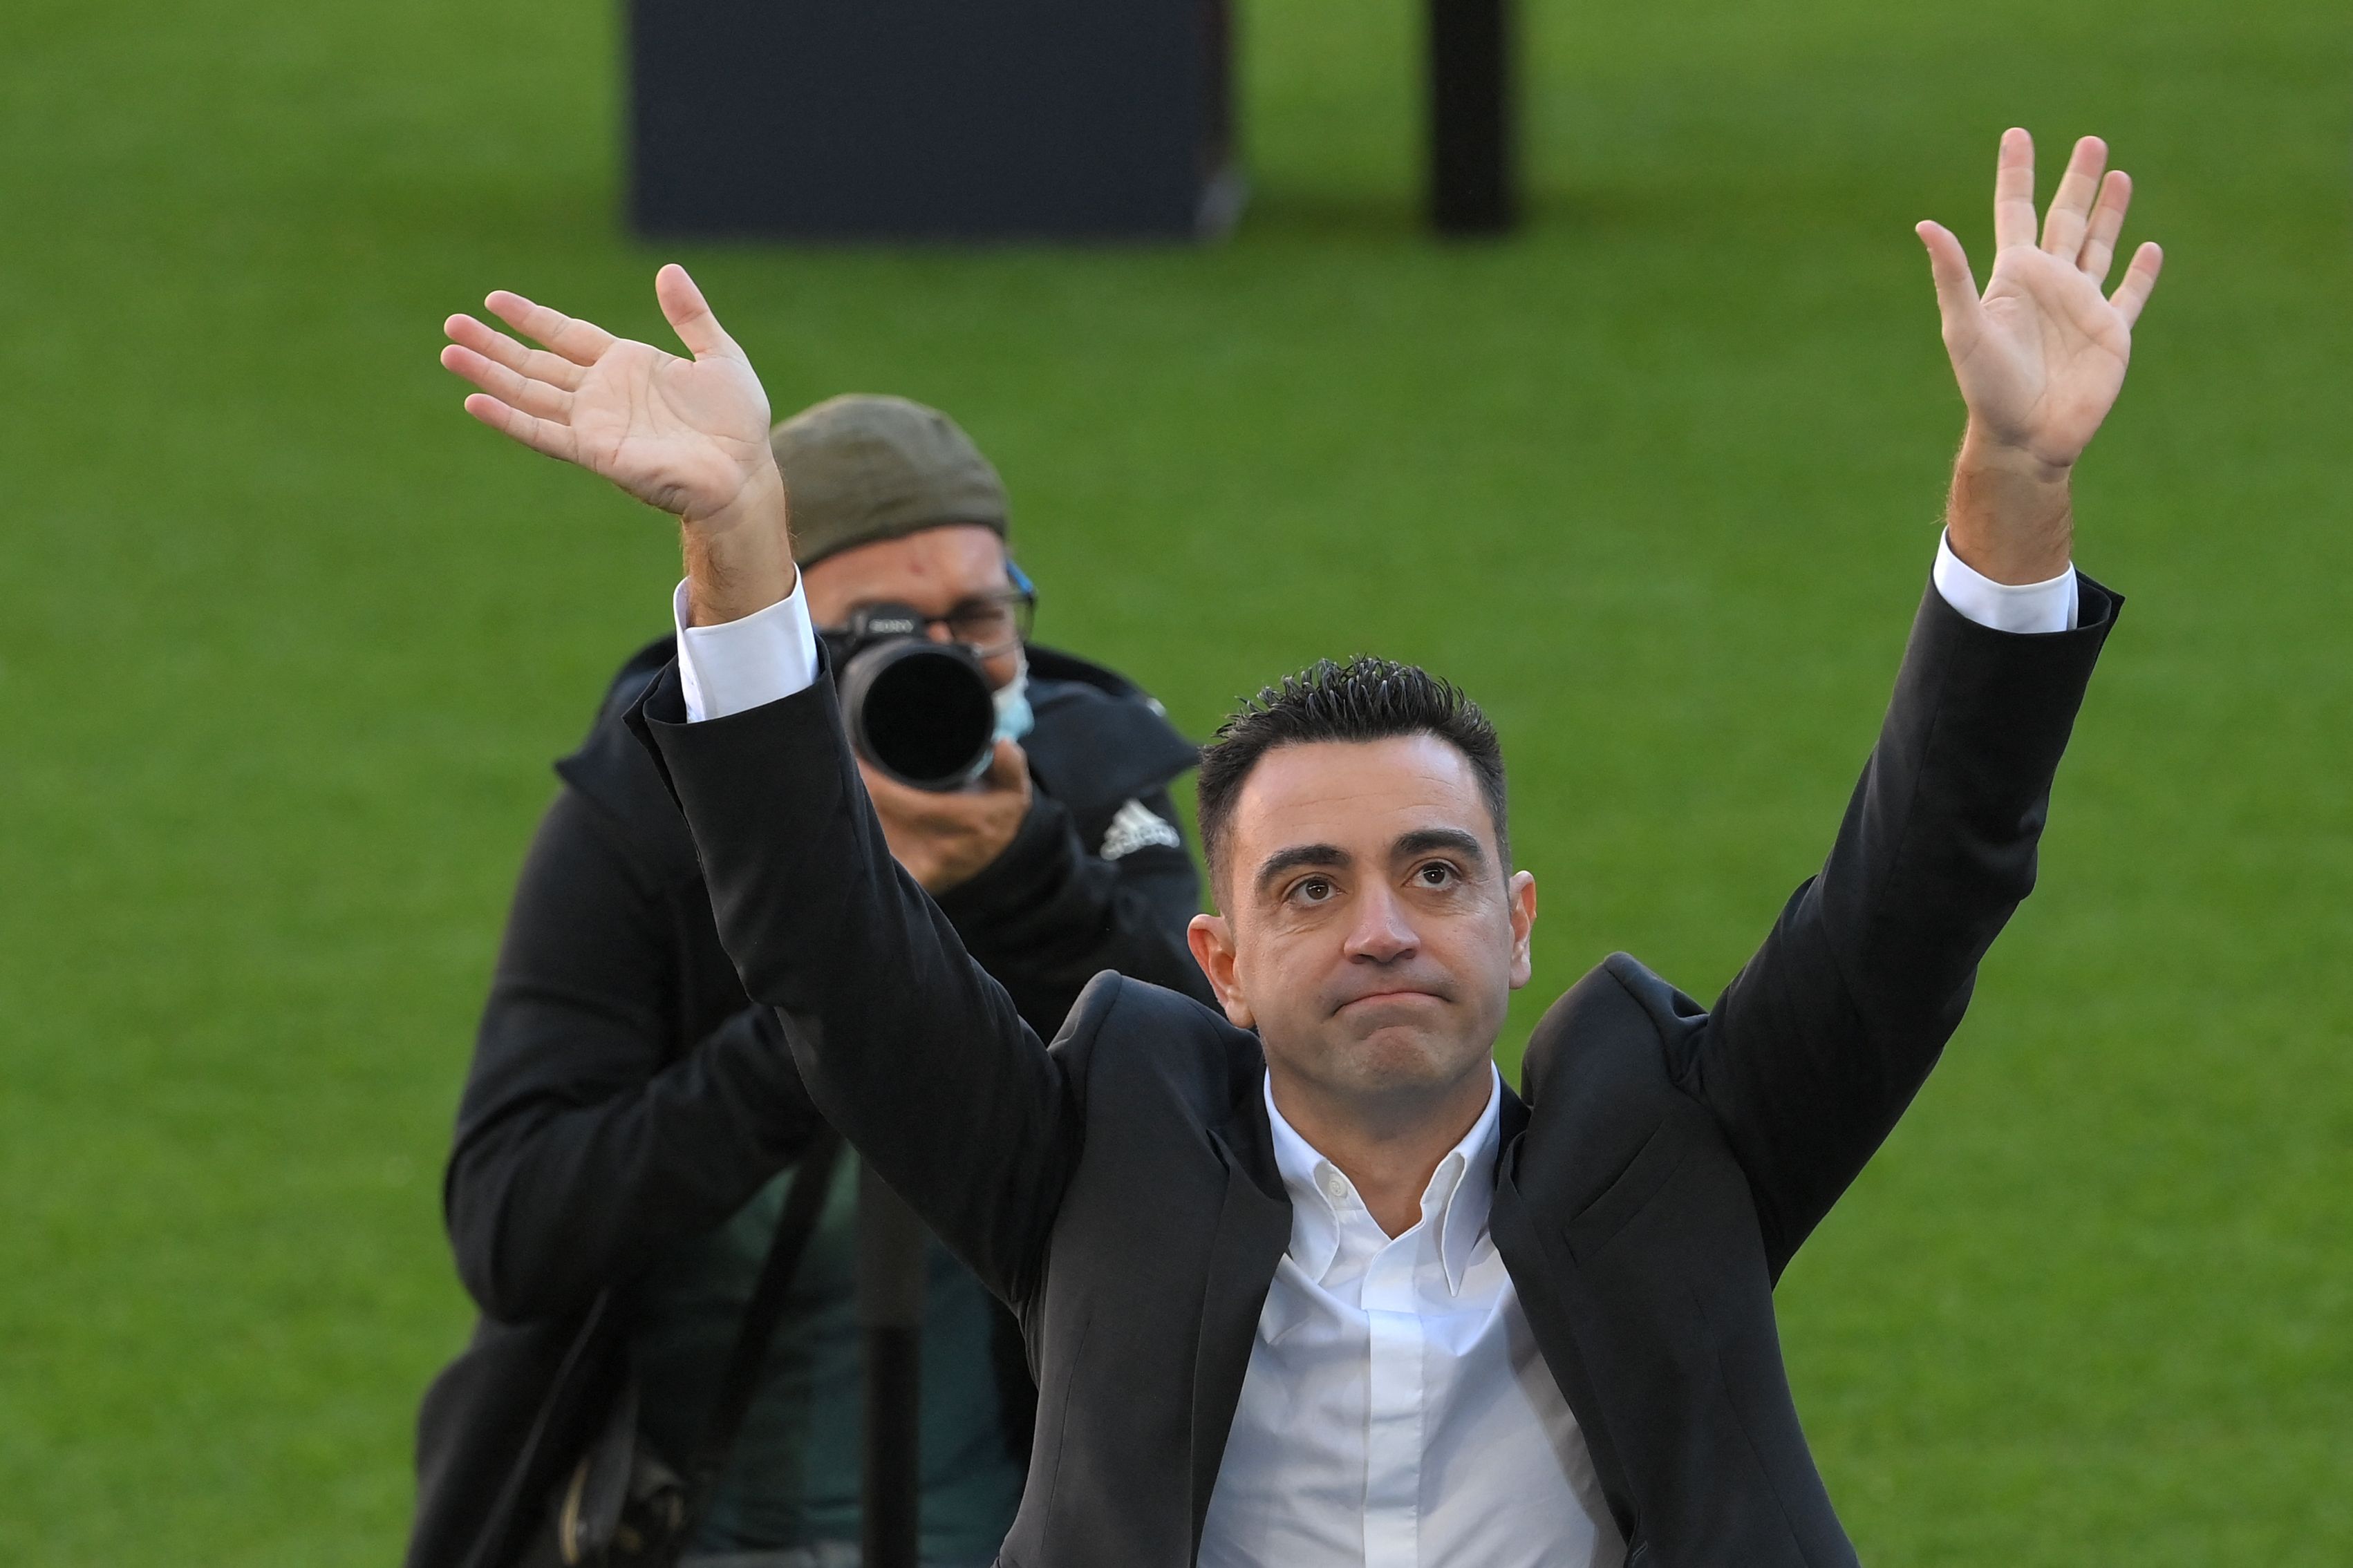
x=861 y=468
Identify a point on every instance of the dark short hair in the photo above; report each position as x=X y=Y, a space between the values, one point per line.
x=1364 y=699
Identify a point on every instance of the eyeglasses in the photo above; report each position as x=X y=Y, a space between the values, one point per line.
x=992 y=624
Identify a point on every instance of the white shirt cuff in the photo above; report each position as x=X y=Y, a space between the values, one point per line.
x=741 y=665
x=2005 y=607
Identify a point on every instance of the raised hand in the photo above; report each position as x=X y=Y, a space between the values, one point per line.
x=688 y=436
x=2040 y=354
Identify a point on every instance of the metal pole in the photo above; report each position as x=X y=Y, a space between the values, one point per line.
x=1473 y=173
x=891 y=1245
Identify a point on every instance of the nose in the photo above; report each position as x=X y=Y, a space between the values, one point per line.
x=1382 y=933
x=938 y=631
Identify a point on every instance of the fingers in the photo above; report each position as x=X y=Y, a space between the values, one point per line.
x=2071 y=204
x=534 y=397
x=1008 y=772
x=1957 y=289
x=889 y=796
x=2107 y=221
x=689 y=315
x=1009 y=769
x=2140 y=278
x=582 y=343
x=2013 y=191
x=2086 y=215
x=536 y=363
x=540 y=435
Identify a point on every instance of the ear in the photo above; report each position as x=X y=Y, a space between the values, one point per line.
x=1212 y=941
x=1519 y=896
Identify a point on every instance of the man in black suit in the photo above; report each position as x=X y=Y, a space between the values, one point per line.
x=1303 y=1284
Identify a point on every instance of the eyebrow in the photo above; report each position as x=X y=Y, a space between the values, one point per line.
x=1423 y=840
x=1296 y=856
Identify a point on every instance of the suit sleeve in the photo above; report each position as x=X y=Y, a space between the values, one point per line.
x=1046 y=916
x=1821 y=1041
x=586 y=1140
x=906 y=1044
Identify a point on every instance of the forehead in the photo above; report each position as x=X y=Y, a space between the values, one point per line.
x=933 y=570
x=1359 y=795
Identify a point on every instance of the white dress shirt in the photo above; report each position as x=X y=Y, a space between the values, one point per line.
x=2033 y=607
x=1395 y=1412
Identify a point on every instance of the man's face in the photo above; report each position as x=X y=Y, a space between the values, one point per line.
x=952 y=570
x=1371 y=933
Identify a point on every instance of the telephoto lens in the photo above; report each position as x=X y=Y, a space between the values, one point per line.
x=922 y=711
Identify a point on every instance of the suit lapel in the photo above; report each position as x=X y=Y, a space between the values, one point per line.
x=1511 y=1121
x=1535 y=1282
x=1253 y=1232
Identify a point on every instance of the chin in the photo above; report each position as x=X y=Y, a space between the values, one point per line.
x=1398 y=1057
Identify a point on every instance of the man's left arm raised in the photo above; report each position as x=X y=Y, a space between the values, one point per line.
x=1821 y=1041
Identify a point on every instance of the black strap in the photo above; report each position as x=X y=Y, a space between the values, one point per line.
x=803 y=1206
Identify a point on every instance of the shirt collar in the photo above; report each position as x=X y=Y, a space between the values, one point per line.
x=1462 y=1190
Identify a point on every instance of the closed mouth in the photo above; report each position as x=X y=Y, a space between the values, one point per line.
x=1400 y=996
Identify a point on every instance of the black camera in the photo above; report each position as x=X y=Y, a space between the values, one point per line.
x=922 y=711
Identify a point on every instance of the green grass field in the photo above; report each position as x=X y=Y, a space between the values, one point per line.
x=285 y=644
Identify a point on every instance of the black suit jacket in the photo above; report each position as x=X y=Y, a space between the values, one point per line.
x=1119 y=1190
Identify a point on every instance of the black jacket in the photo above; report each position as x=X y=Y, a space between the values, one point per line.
x=1118 y=1188
x=626 y=1093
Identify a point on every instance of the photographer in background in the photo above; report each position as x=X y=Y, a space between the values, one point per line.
x=631 y=1119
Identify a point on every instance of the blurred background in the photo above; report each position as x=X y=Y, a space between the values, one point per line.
x=287 y=644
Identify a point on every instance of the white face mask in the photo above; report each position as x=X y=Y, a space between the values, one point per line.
x=1014 y=718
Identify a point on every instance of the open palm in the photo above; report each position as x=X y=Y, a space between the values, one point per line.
x=689 y=435
x=2040 y=354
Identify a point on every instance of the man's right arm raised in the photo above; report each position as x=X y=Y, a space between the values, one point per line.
x=905 y=1043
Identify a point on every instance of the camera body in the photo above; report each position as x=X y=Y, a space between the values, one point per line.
x=922 y=711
